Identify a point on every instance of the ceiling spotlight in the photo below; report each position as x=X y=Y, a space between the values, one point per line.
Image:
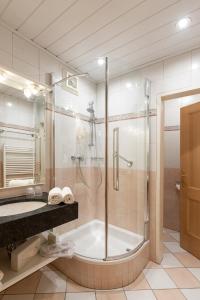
x=2 y=76
x=101 y=61
x=27 y=93
x=183 y=23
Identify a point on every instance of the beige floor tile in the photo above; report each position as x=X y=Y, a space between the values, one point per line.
x=140 y=295
x=195 y=272
x=176 y=235
x=81 y=296
x=153 y=265
x=188 y=260
x=57 y=296
x=52 y=282
x=25 y=286
x=191 y=294
x=73 y=287
x=110 y=295
x=183 y=278
x=169 y=230
x=168 y=294
x=18 y=297
x=159 y=279
x=166 y=237
x=139 y=284
x=165 y=249
x=170 y=261
x=174 y=247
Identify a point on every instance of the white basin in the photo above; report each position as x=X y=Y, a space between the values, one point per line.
x=19 y=207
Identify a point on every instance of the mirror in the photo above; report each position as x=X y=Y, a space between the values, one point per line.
x=22 y=132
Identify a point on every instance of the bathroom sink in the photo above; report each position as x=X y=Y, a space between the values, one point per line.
x=20 y=207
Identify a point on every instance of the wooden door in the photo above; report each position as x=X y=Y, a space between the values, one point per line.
x=190 y=178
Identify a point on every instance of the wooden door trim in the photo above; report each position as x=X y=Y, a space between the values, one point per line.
x=157 y=252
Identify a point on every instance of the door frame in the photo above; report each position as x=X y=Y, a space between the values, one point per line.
x=157 y=204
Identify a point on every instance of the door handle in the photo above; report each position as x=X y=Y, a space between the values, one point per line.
x=183 y=179
x=116 y=159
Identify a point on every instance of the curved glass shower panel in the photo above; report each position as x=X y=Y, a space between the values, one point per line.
x=79 y=157
x=127 y=165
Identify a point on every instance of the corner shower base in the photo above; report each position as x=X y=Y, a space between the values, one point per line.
x=90 y=240
x=88 y=268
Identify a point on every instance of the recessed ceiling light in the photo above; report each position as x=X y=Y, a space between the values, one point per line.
x=2 y=76
x=101 y=61
x=183 y=23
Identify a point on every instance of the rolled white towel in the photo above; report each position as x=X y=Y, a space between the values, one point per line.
x=68 y=196
x=55 y=196
x=1 y=275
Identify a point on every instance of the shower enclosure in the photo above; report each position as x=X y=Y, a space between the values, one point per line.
x=101 y=131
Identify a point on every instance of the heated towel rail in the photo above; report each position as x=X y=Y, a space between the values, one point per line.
x=18 y=163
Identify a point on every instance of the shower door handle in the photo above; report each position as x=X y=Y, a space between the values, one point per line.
x=116 y=159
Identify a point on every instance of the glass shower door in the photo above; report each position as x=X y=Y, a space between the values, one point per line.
x=79 y=158
x=127 y=165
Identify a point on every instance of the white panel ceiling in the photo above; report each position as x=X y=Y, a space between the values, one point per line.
x=132 y=33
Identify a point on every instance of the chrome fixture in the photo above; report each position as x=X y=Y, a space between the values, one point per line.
x=71 y=76
x=129 y=162
x=116 y=157
x=90 y=109
x=79 y=158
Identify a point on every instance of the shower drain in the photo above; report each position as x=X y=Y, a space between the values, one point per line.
x=128 y=249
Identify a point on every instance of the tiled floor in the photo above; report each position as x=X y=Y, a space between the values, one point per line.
x=178 y=277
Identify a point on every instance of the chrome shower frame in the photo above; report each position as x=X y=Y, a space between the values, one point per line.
x=106 y=127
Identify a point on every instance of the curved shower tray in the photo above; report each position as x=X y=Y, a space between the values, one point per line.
x=88 y=267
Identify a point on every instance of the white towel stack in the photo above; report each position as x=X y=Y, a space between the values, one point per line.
x=68 y=196
x=56 y=196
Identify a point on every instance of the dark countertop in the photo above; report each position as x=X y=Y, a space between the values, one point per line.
x=18 y=227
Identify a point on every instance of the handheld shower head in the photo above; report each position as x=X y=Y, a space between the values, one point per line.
x=90 y=108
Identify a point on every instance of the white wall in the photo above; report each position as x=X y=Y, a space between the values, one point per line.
x=172 y=74
x=172 y=135
x=20 y=56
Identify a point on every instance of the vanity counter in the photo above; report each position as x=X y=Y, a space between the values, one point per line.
x=18 y=227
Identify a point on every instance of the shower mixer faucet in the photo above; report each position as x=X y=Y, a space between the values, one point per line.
x=80 y=158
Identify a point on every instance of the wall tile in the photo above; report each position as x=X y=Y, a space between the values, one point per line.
x=177 y=65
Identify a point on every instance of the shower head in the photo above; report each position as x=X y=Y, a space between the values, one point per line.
x=90 y=108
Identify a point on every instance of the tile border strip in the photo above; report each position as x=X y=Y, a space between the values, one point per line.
x=115 y=118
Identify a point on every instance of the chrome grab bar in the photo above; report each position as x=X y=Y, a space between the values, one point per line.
x=116 y=159
x=129 y=162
